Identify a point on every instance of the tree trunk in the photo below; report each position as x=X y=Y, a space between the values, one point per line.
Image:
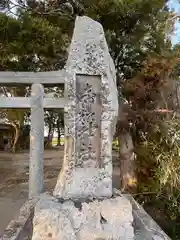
x=16 y=136
x=59 y=136
x=50 y=134
x=127 y=162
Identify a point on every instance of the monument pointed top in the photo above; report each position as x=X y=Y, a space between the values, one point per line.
x=88 y=53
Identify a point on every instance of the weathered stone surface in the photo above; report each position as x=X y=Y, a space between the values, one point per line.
x=106 y=219
x=50 y=221
x=90 y=115
x=36 y=176
x=87 y=182
x=144 y=226
x=23 y=222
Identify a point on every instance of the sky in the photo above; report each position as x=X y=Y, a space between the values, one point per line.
x=175 y=6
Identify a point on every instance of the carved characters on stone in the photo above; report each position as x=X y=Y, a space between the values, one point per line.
x=88 y=121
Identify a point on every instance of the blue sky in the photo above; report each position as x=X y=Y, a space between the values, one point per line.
x=175 y=6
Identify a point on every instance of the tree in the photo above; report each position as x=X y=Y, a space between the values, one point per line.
x=28 y=44
x=14 y=117
x=145 y=93
x=134 y=28
x=59 y=126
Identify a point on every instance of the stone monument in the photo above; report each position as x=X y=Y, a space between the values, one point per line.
x=91 y=114
x=83 y=205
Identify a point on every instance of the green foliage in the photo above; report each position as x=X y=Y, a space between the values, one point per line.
x=176 y=71
x=161 y=148
x=134 y=29
x=31 y=44
x=158 y=157
x=156 y=135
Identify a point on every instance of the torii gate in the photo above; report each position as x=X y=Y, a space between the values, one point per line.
x=37 y=102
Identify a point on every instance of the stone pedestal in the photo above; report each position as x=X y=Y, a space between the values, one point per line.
x=83 y=220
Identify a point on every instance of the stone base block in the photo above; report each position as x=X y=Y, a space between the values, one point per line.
x=85 y=183
x=93 y=220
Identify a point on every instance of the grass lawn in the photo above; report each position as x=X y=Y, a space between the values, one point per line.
x=54 y=141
